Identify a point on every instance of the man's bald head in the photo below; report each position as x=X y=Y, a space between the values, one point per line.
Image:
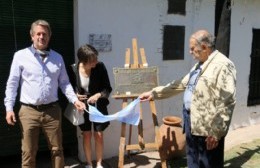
x=205 y=38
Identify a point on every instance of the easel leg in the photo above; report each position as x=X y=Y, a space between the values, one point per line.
x=122 y=146
x=122 y=140
x=129 y=140
x=140 y=129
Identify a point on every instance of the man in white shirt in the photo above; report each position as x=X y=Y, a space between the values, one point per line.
x=40 y=73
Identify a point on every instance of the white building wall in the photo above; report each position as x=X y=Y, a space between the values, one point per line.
x=245 y=17
x=144 y=20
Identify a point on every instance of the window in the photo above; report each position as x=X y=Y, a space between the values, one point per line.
x=173 y=42
x=177 y=7
x=254 y=77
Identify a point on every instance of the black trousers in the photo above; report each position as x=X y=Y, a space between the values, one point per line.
x=196 y=151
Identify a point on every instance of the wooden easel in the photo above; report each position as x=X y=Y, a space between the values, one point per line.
x=141 y=145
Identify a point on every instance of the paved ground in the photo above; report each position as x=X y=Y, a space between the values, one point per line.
x=142 y=160
x=242 y=135
x=152 y=159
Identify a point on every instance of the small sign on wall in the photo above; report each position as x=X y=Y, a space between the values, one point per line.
x=102 y=42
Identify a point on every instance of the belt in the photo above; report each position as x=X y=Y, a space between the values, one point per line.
x=187 y=111
x=42 y=106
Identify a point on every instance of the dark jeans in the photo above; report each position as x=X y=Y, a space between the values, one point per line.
x=197 y=154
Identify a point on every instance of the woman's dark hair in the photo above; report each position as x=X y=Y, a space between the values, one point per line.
x=87 y=53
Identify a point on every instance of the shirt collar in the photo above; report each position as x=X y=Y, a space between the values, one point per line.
x=213 y=54
x=35 y=51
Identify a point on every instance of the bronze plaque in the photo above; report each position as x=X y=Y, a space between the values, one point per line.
x=134 y=81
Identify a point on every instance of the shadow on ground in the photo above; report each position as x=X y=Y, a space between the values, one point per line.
x=243 y=156
x=134 y=161
x=240 y=156
x=177 y=163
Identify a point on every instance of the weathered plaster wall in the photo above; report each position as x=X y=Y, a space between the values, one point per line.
x=245 y=17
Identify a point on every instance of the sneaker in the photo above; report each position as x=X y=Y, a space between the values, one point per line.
x=88 y=166
x=99 y=166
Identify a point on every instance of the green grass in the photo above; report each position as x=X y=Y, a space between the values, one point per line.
x=246 y=155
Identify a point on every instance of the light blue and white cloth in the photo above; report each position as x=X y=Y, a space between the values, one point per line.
x=130 y=114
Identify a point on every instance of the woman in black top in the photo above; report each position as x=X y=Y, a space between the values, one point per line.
x=92 y=85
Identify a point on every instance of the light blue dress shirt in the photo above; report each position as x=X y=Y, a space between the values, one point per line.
x=39 y=80
x=190 y=87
